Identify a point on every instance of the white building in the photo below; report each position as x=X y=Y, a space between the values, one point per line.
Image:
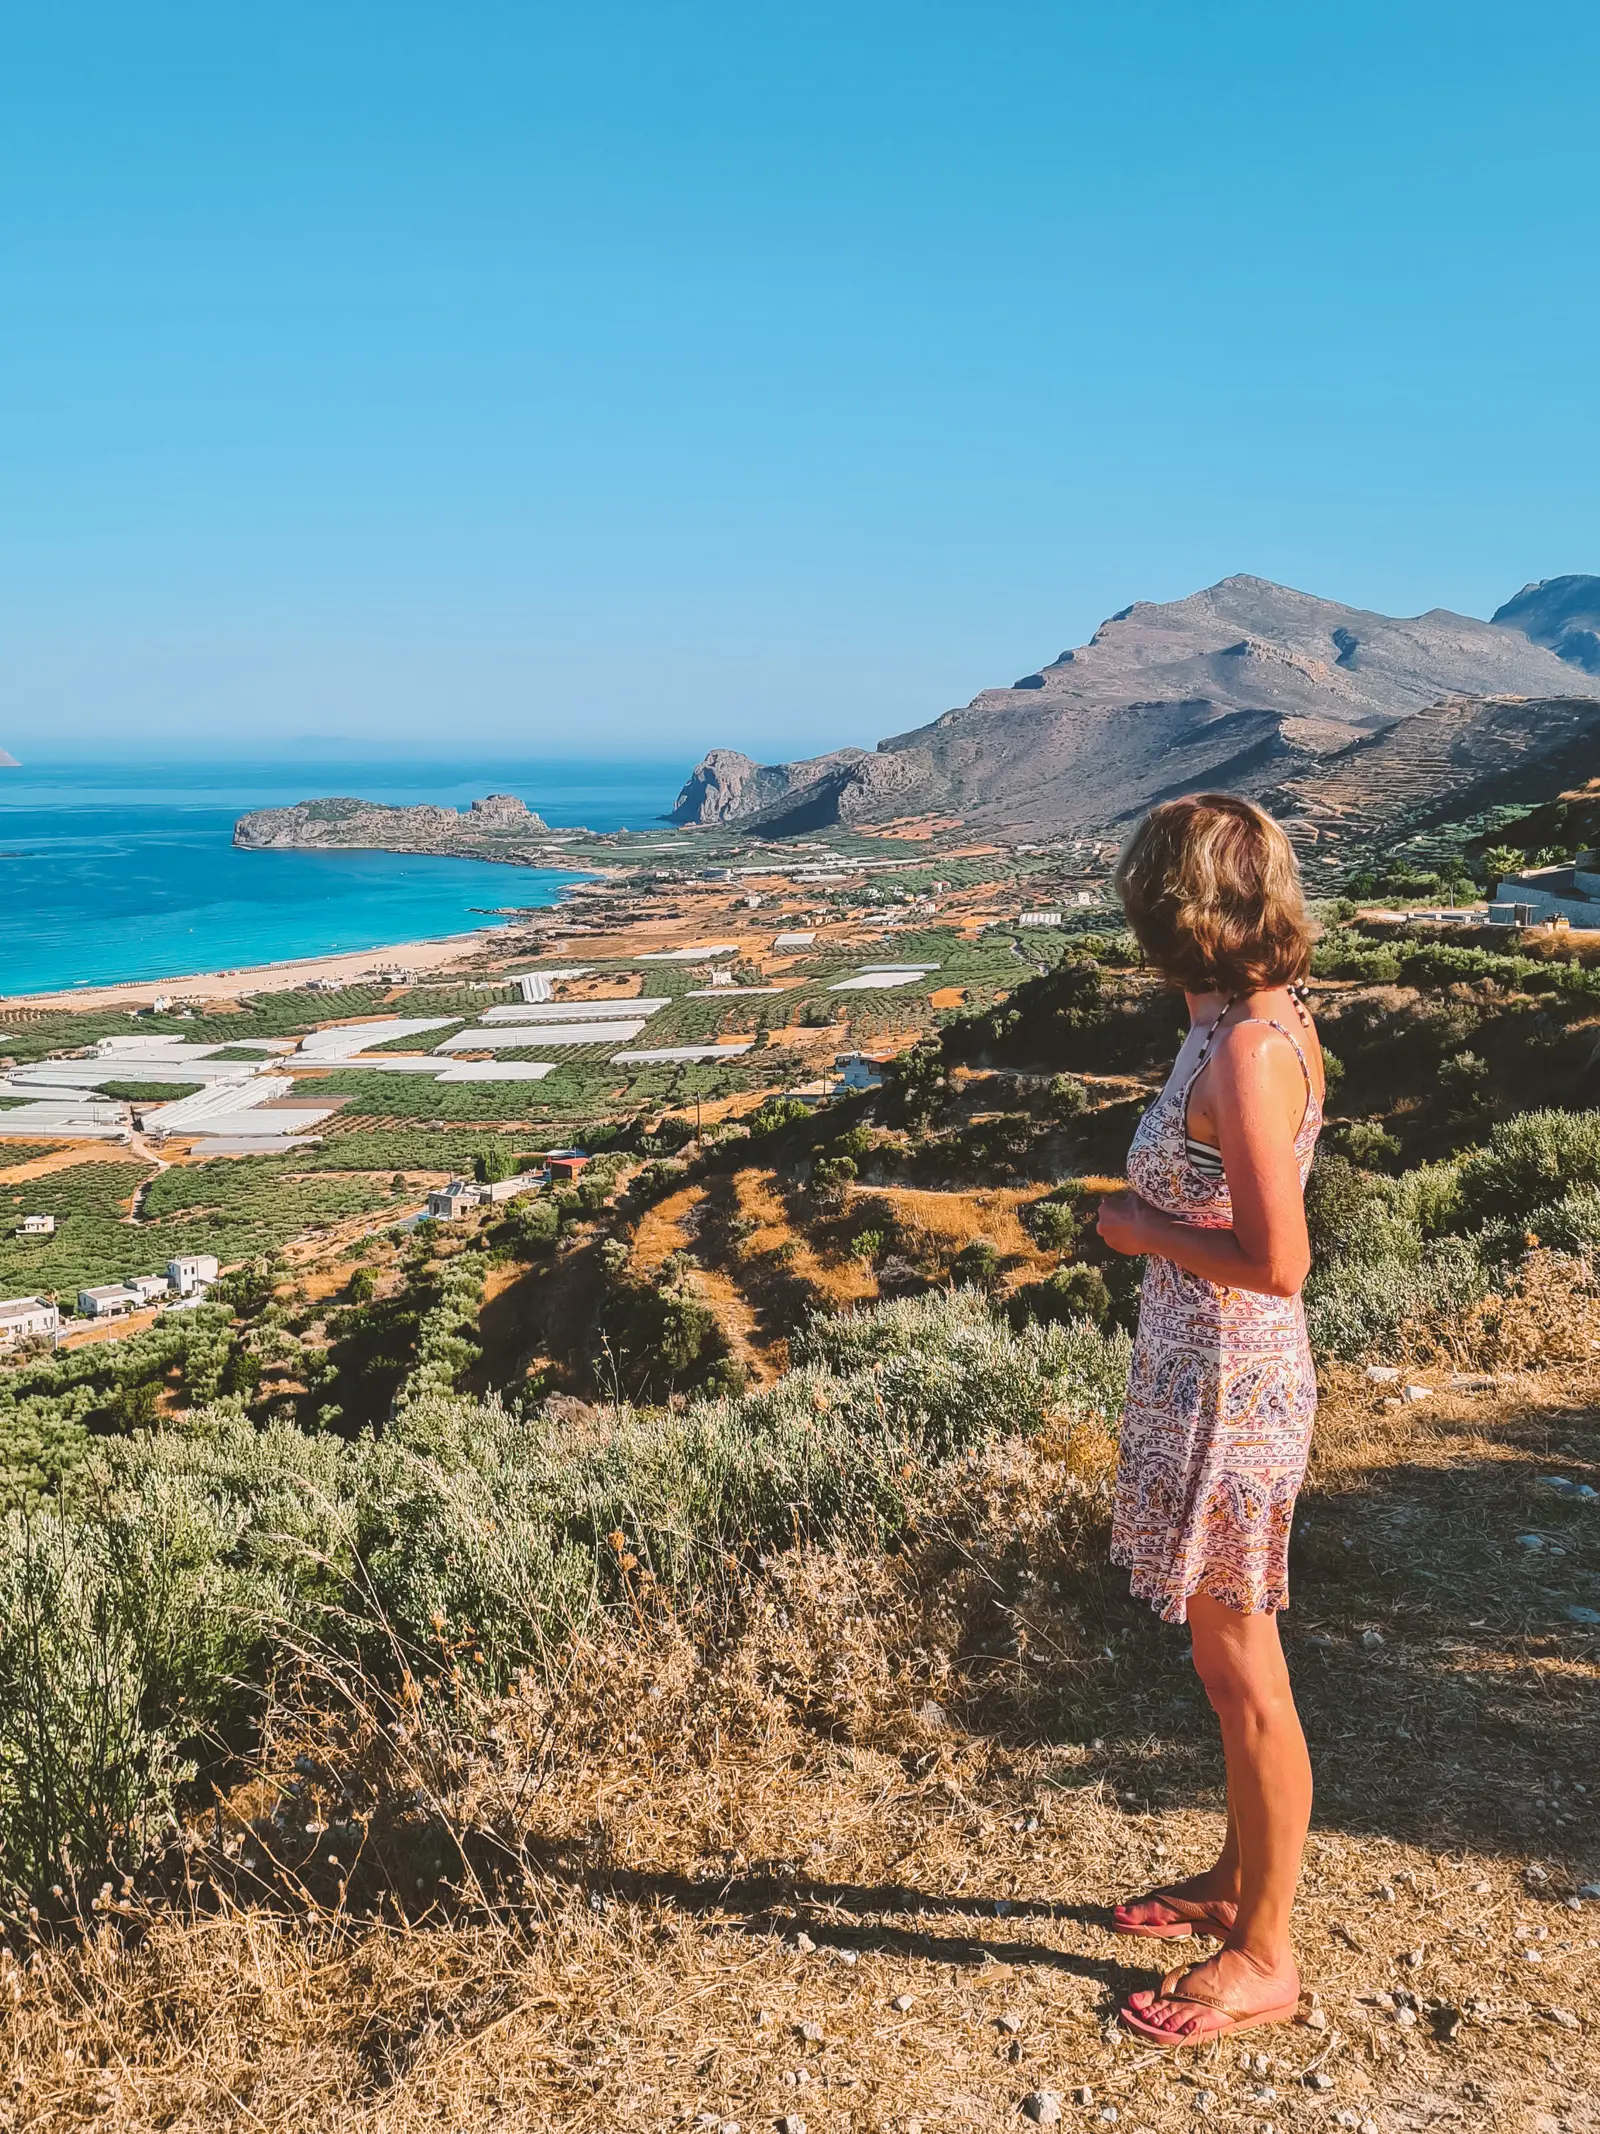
x=25 y=1318
x=192 y=1272
x=510 y=1188
x=148 y=1288
x=112 y=1300
x=1570 y=893
x=462 y=1195
x=857 y=1070
x=1039 y=918
x=37 y=1226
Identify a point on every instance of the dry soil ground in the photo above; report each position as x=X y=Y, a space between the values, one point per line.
x=855 y=1870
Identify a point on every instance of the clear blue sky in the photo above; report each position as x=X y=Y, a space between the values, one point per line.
x=631 y=378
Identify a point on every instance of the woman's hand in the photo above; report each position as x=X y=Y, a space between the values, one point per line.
x=1122 y=1222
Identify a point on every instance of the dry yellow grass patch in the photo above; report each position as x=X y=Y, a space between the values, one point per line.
x=758 y=1198
x=661 y=1230
x=951 y=1220
x=850 y=1858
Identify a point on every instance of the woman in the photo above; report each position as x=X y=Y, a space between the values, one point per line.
x=1222 y=1394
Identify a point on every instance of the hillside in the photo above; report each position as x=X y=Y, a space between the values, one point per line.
x=641 y=1653
x=1563 y=613
x=1245 y=684
x=1443 y=764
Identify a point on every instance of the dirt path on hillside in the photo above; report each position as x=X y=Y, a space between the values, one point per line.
x=142 y=1152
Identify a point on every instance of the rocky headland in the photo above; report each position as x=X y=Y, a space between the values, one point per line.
x=491 y=828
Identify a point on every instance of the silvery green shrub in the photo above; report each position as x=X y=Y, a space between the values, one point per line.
x=1530 y=1161
x=1357 y=1305
x=87 y=1770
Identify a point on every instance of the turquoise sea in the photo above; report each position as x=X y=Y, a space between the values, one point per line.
x=111 y=871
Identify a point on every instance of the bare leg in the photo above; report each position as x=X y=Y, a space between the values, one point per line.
x=1240 y=1660
x=1213 y=1885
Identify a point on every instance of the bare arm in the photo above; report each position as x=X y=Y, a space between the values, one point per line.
x=1256 y=1099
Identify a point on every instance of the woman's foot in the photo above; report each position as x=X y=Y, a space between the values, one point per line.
x=1229 y=1991
x=1204 y=1904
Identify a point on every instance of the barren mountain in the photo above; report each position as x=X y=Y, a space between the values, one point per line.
x=1246 y=684
x=725 y=785
x=1563 y=613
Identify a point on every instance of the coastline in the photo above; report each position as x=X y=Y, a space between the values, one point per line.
x=279 y=977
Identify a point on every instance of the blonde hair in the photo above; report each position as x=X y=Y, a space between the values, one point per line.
x=1212 y=891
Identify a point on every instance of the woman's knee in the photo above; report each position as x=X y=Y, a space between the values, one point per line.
x=1224 y=1681
x=1240 y=1674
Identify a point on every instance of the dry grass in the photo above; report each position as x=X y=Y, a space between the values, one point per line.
x=951 y=1220
x=922 y=1776
x=662 y=1230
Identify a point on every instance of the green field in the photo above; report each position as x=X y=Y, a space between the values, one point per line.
x=233 y=1207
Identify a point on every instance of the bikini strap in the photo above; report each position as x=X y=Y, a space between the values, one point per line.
x=1205 y=1051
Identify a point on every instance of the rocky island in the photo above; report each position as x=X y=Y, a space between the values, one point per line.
x=491 y=828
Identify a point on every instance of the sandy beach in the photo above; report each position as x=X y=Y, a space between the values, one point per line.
x=345 y=968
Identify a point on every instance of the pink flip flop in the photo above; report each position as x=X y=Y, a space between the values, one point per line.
x=1221 y=2021
x=1214 y=1916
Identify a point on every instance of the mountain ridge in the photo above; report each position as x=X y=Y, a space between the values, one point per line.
x=1561 y=613
x=1245 y=682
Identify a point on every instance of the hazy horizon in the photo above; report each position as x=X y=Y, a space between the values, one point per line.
x=450 y=384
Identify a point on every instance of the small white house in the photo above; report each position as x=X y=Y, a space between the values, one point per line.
x=192 y=1272
x=111 y=1300
x=858 y=1070
x=462 y=1195
x=148 y=1288
x=510 y=1188
x=37 y=1226
x=24 y=1318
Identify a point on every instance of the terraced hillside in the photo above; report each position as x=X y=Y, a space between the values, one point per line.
x=1442 y=764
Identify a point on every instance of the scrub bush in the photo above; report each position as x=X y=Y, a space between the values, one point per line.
x=1529 y=1162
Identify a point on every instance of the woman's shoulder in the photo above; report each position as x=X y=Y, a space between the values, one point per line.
x=1267 y=1040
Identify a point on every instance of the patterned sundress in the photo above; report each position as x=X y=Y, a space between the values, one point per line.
x=1221 y=1395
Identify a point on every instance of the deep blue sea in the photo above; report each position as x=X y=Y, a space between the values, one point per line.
x=111 y=871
